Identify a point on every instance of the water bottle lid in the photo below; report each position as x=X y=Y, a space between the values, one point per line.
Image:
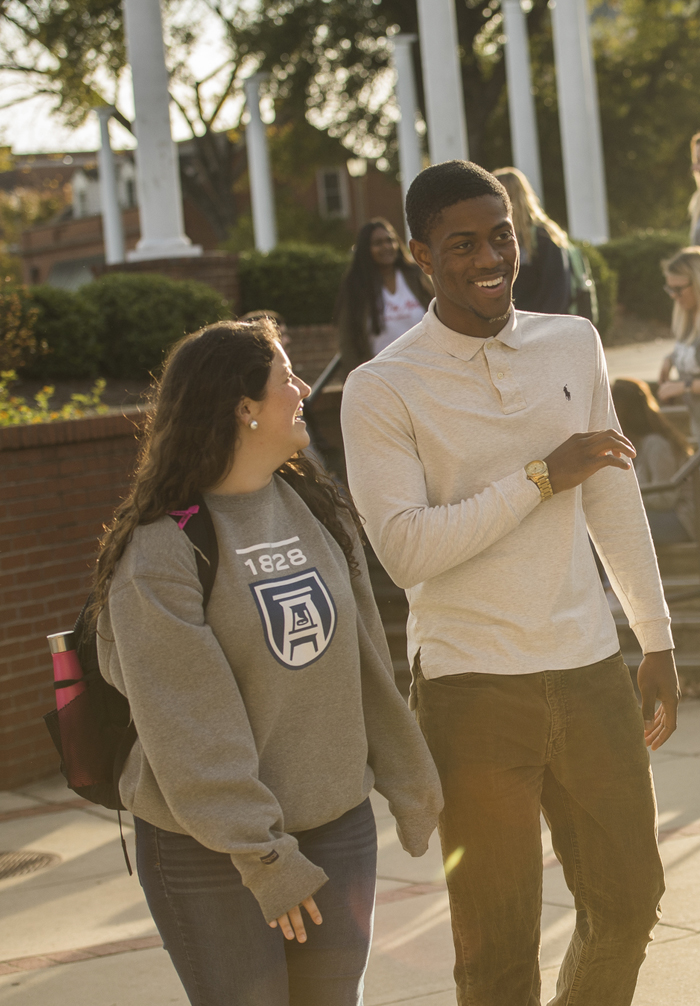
x=61 y=642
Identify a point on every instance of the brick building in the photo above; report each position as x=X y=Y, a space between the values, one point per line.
x=69 y=249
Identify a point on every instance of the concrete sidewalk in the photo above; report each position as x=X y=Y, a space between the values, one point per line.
x=639 y=360
x=78 y=933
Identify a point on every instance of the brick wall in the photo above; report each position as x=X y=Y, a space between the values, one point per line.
x=217 y=268
x=58 y=483
x=311 y=349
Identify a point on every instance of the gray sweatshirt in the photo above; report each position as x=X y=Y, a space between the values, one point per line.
x=275 y=715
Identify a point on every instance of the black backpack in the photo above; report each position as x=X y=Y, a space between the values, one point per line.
x=95 y=732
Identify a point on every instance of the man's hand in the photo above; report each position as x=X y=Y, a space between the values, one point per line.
x=584 y=454
x=292 y=924
x=658 y=682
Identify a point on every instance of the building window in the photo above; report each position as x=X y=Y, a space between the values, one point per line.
x=333 y=195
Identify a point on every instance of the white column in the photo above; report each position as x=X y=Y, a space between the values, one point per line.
x=160 y=199
x=262 y=195
x=579 y=119
x=112 y=230
x=410 y=155
x=521 y=105
x=442 y=80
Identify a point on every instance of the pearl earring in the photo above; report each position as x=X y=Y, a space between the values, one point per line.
x=253 y=424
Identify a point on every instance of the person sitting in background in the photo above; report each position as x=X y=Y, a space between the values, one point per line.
x=694 y=205
x=661 y=450
x=277 y=320
x=543 y=284
x=383 y=294
x=682 y=273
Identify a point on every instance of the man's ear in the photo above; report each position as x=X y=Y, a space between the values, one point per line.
x=421 y=253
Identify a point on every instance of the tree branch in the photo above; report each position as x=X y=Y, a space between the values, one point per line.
x=184 y=112
x=222 y=100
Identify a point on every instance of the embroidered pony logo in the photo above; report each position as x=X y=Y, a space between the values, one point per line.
x=567 y=393
x=298 y=616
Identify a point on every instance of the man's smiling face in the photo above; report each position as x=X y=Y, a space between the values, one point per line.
x=472 y=258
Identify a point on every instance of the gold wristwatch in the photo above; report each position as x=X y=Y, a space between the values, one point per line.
x=538 y=473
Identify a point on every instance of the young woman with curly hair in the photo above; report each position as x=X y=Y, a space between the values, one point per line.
x=265 y=720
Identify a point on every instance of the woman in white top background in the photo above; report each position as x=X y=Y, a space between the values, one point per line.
x=383 y=294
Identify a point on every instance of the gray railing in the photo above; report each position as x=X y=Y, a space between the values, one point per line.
x=321 y=382
x=688 y=472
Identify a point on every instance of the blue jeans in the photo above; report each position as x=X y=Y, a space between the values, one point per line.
x=222 y=948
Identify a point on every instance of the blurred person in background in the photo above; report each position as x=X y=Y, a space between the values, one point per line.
x=661 y=450
x=383 y=294
x=694 y=205
x=682 y=275
x=543 y=284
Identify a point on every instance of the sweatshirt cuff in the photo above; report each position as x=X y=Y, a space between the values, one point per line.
x=281 y=879
x=414 y=832
x=654 y=636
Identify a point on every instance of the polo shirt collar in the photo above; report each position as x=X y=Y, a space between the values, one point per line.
x=465 y=347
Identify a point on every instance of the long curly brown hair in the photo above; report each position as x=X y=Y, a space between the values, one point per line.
x=639 y=415
x=190 y=435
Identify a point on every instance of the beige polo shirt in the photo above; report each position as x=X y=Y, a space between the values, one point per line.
x=438 y=428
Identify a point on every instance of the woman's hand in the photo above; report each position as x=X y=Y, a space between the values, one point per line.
x=292 y=924
x=670 y=389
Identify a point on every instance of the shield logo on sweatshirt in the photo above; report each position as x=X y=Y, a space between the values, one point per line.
x=298 y=615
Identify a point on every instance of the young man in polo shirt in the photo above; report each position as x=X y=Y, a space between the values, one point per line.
x=483 y=450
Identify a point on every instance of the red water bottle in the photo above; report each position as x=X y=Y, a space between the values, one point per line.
x=66 y=667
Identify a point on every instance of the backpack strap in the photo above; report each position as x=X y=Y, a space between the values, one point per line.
x=197 y=524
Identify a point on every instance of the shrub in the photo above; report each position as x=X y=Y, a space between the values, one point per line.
x=299 y=281
x=16 y=411
x=18 y=343
x=68 y=329
x=142 y=314
x=605 y=280
x=10 y=267
x=636 y=260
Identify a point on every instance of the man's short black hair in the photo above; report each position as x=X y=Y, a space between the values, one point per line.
x=443 y=185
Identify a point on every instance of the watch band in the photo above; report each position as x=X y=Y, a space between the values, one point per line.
x=538 y=473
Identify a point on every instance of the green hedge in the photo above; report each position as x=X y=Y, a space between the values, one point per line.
x=119 y=326
x=70 y=328
x=299 y=281
x=637 y=261
x=142 y=314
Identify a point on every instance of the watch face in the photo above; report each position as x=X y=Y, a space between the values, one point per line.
x=536 y=468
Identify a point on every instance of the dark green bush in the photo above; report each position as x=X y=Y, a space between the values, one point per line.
x=68 y=326
x=299 y=281
x=605 y=280
x=143 y=314
x=636 y=260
